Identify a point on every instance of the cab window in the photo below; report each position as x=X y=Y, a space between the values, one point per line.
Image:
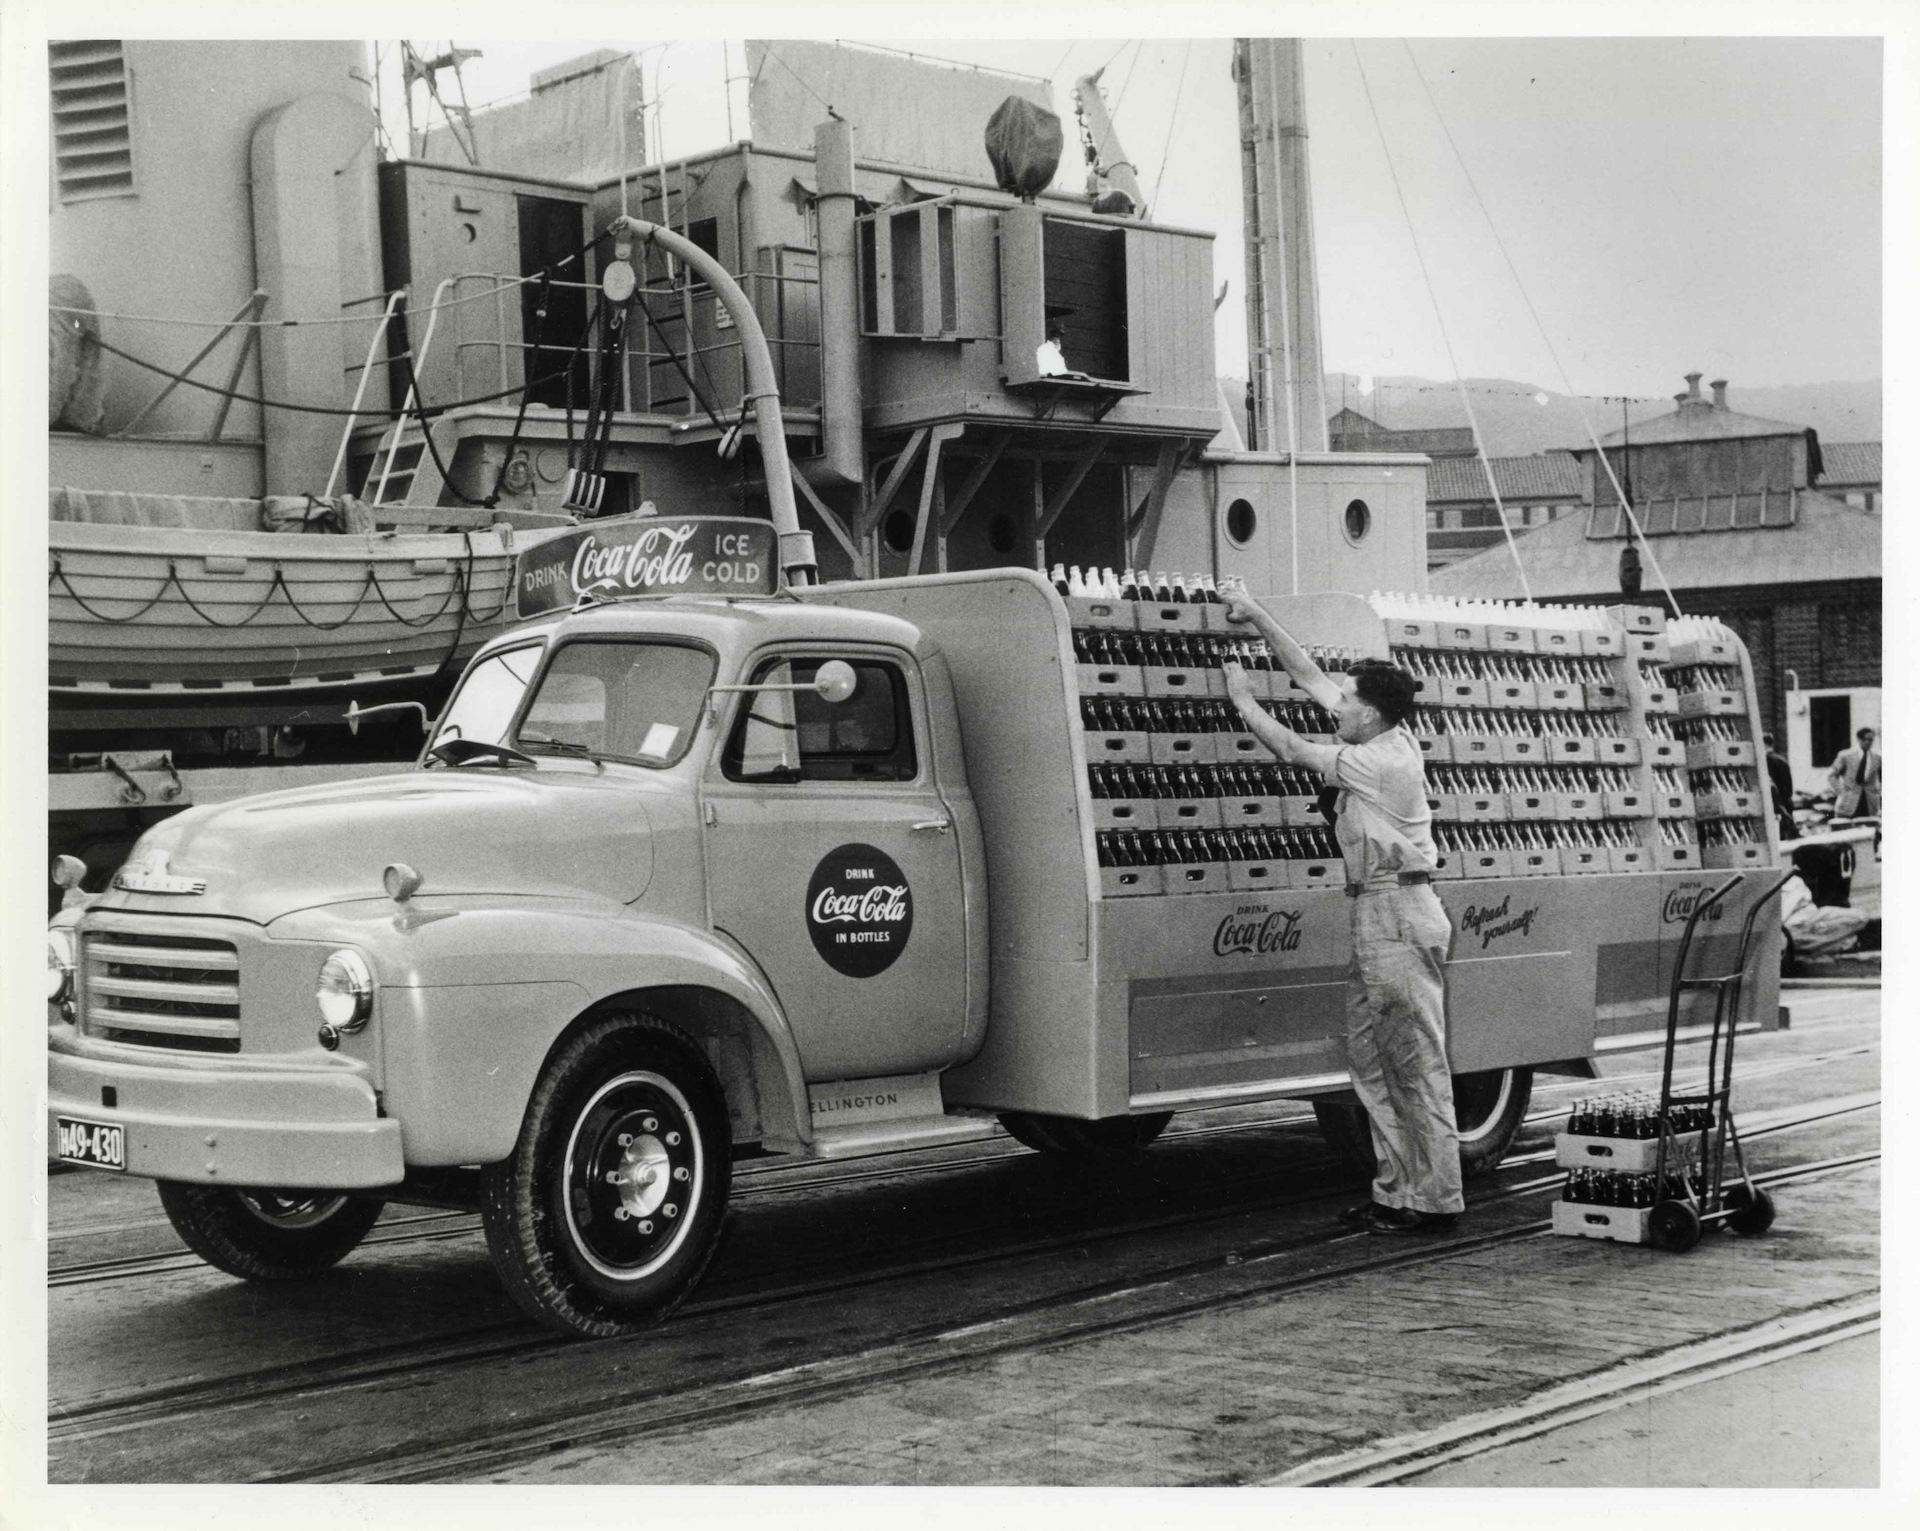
x=489 y=696
x=631 y=700
x=800 y=736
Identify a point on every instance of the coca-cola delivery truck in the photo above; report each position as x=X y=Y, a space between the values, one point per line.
x=822 y=870
x=703 y=855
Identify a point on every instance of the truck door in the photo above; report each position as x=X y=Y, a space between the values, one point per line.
x=833 y=860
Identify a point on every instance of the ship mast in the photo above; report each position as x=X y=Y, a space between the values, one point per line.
x=1288 y=406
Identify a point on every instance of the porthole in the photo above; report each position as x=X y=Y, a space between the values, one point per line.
x=1242 y=522
x=1001 y=533
x=1357 y=521
x=898 y=530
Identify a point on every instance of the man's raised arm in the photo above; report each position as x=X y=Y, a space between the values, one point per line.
x=1306 y=674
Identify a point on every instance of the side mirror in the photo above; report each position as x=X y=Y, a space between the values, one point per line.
x=355 y=712
x=835 y=680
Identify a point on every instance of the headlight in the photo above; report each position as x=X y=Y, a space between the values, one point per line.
x=59 y=966
x=345 y=994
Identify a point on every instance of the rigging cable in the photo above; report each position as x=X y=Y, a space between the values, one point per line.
x=1565 y=381
x=1172 y=120
x=1479 y=442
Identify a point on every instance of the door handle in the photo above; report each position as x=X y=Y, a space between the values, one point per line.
x=943 y=825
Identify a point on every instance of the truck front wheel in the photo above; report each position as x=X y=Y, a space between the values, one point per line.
x=610 y=1206
x=264 y=1235
x=1113 y=1137
x=1488 y=1108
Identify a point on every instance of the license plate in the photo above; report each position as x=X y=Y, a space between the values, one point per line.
x=100 y=1144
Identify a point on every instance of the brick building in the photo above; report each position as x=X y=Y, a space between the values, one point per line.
x=1730 y=509
x=1463 y=516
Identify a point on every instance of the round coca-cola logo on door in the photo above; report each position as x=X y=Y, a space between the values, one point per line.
x=859 y=910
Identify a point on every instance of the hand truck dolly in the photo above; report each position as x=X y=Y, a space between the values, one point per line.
x=1676 y=1221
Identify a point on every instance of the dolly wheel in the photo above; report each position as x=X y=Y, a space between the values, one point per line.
x=1750 y=1210
x=1674 y=1226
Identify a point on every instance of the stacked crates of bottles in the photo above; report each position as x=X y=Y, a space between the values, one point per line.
x=1711 y=723
x=1610 y=1152
x=1184 y=798
x=1530 y=722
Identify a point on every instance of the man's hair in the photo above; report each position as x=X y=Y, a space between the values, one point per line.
x=1385 y=687
x=1767 y=740
x=1863 y=733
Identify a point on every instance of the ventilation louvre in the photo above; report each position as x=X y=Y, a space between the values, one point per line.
x=92 y=139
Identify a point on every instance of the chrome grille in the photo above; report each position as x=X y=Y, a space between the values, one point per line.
x=176 y=991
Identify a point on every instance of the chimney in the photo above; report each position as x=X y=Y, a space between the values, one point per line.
x=1693 y=388
x=1719 y=387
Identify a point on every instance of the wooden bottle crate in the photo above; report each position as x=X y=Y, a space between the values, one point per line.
x=1169 y=617
x=1228 y=748
x=1101 y=611
x=1132 y=882
x=1411 y=633
x=1572 y=749
x=1608 y=750
x=1482 y=864
x=1692 y=651
x=1620 y=1225
x=1704 y=753
x=1256 y=876
x=1628 y=858
x=1648 y=648
x=1712 y=704
x=1163 y=681
x=1435 y=748
x=1109 y=680
x=1503 y=638
x=1181 y=749
x=1530 y=862
x=1124 y=813
x=1116 y=748
x=1521 y=694
x=1584 y=858
x=1639 y=619
x=1189 y=812
x=1469 y=636
x=1722 y=858
x=1603 y=642
x=1560 y=696
x=1307 y=876
x=1196 y=877
x=1669 y=857
x=1523 y=749
x=1243 y=812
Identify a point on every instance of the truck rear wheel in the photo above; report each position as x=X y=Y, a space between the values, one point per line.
x=1488 y=1108
x=609 y=1208
x=268 y=1235
x=1113 y=1137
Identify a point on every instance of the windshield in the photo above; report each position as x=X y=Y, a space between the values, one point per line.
x=489 y=697
x=635 y=701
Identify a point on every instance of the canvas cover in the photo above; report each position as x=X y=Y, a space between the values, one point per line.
x=1023 y=144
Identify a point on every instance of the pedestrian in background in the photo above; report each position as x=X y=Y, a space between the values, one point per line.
x=1396 y=996
x=1780 y=786
x=1855 y=779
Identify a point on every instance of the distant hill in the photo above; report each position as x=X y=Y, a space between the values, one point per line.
x=1516 y=424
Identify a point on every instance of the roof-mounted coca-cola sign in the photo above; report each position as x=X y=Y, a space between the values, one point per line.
x=647 y=555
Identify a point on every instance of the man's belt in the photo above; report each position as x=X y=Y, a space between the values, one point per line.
x=1406 y=880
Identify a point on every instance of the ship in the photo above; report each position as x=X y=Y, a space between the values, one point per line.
x=315 y=390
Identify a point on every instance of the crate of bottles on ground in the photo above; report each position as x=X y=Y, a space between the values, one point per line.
x=1558 y=740
x=1611 y=1152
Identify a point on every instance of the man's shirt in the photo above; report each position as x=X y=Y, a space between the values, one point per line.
x=1385 y=827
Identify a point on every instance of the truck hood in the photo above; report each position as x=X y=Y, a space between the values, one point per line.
x=563 y=832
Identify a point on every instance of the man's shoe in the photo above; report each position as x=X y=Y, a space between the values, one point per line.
x=1407 y=1220
x=1361 y=1217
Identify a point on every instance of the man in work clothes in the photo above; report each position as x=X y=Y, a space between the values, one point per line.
x=1396 y=1006
x=1855 y=779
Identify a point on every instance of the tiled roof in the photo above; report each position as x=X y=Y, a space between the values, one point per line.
x=1829 y=540
x=1698 y=420
x=1847 y=462
x=1542 y=476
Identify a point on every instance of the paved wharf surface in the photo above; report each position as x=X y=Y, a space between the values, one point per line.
x=1249 y=1391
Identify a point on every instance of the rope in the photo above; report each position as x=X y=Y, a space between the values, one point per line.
x=279 y=583
x=1440 y=319
x=1566 y=382
x=298 y=409
x=674 y=356
x=1172 y=120
x=500 y=285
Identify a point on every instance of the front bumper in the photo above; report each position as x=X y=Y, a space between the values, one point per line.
x=228 y=1124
